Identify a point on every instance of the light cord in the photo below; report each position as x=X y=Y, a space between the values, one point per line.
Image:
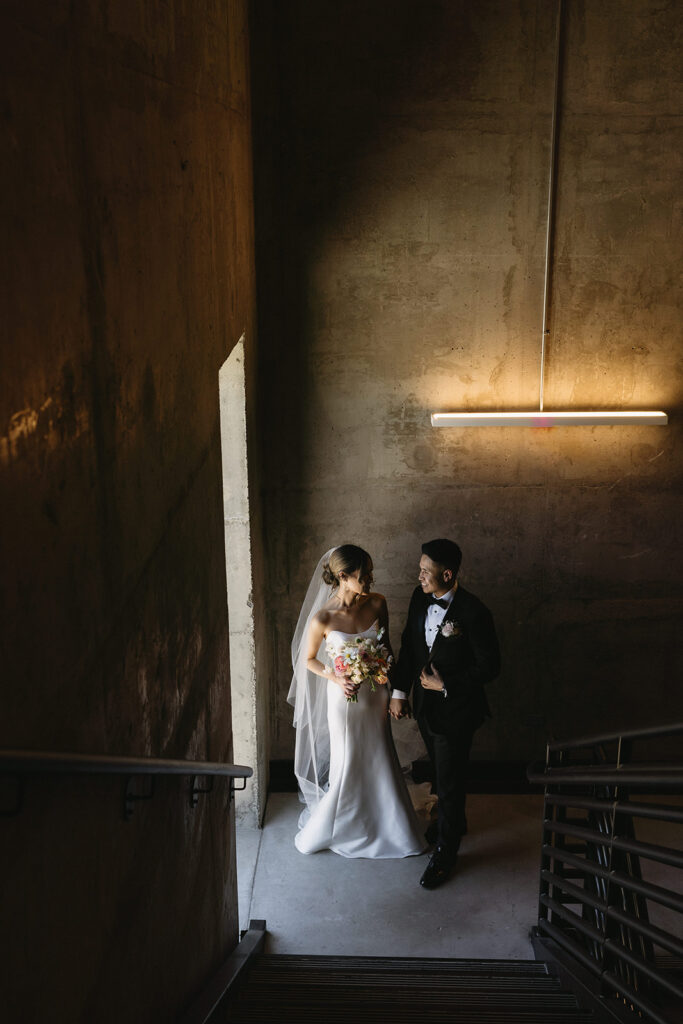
x=551 y=202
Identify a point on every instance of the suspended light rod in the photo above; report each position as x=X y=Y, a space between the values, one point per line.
x=548 y=419
x=550 y=205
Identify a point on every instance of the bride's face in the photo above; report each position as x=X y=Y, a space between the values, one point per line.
x=359 y=581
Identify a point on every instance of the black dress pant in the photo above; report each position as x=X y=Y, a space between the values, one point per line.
x=450 y=756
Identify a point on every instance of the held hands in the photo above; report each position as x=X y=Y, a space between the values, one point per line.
x=431 y=679
x=399 y=708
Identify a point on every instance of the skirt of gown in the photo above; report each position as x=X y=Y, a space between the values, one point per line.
x=367 y=811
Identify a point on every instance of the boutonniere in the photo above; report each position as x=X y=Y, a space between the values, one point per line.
x=449 y=629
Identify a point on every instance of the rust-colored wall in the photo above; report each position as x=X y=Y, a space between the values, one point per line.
x=402 y=162
x=127 y=276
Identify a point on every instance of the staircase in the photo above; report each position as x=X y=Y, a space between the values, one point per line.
x=608 y=929
x=353 y=990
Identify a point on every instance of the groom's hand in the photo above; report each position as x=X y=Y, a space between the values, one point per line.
x=431 y=679
x=399 y=708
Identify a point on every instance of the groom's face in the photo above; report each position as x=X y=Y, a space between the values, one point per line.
x=434 y=579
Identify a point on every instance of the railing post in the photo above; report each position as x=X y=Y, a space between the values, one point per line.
x=546 y=839
x=628 y=900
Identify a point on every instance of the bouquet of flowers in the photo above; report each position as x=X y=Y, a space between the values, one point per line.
x=363 y=659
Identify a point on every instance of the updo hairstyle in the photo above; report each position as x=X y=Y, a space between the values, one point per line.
x=346 y=559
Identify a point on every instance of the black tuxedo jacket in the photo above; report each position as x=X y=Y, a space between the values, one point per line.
x=466 y=659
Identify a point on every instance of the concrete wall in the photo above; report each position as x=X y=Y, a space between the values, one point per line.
x=401 y=162
x=249 y=684
x=127 y=277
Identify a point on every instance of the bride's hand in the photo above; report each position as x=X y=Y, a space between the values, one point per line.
x=349 y=689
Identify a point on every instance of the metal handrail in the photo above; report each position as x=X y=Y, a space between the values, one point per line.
x=620 y=880
x=228 y=978
x=662 y=854
x=660 y=812
x=22 y=763
x=38 y=761
x=611 y=737
x=650 y=931
x=652 y=777
x=575 y=951
x=588 y=834
x=596 y=936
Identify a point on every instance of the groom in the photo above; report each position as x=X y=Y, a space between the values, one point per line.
x=448 y=652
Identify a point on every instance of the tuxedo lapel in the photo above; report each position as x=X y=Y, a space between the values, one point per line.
x=422 y=615
x=450 y=616
x=452 y=609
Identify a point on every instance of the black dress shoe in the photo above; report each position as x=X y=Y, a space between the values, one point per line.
x=438 y=870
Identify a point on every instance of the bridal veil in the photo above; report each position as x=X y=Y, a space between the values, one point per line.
x=308 y=695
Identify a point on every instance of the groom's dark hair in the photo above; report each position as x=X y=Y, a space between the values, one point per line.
x=445 y=553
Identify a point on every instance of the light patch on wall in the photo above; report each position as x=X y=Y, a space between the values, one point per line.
x=21 y=425
x=238 y=566
x=41 y=424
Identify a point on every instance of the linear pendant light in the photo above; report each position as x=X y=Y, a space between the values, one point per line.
x=545 y=418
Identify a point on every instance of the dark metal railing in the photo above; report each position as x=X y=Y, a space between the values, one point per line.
x=18 y=764
x=229 y=977
x=596 y=908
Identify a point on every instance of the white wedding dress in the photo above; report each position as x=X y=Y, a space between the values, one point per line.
x=366 y=811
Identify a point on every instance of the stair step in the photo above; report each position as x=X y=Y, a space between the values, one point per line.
x=318 y=971
x=370 y=964
x=391 y=981
x=292 y=989
x=350 y=996
x=371 y=1012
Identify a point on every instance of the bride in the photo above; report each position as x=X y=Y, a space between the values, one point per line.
x=357 y=804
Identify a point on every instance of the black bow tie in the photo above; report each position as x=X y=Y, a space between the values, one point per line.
x=442 y=603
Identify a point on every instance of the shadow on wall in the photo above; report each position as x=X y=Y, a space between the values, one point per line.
x=354 y=69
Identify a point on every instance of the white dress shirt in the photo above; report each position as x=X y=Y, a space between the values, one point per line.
x=435 y=616
x=433 y=619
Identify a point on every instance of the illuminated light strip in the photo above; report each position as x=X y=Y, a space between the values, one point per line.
x=548 y=419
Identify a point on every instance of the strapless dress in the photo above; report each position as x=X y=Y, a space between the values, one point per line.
x=366 y=810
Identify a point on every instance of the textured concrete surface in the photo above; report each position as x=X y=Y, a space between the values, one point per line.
x=331 y=905
x=127 y=277
x=401 y=176
x=401 y=159
x=248 y=690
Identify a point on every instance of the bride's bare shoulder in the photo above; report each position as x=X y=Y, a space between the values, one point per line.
x=377 y=601
x=323 y=617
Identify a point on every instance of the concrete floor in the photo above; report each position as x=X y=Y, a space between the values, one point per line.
x=331 y=905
